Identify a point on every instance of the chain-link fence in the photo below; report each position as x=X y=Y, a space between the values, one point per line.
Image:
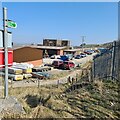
x=118 y=55
x=105 y=65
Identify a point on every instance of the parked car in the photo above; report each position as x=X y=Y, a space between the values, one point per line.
x=104 y=50
x=52 y=57
x=66 y=57
x=67 y=65
x=41 y=75
x=78 y=57
x=55 y=57
x=92 y=51
x=88 y=52
x=97 y=55
x=82 y=55
x=50 y=65
x=57 y=63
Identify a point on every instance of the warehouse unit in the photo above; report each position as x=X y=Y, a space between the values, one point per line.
x=72 y=51
x=28 y=54
x=51 y=50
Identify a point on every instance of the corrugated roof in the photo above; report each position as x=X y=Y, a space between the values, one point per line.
x=48 y=47
x=40 y=47
x=72 y=50
x=18 y=47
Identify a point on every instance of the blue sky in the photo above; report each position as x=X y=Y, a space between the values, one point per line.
x=65 y=20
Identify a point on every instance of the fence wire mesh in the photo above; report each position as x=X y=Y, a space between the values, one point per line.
x=106 y=65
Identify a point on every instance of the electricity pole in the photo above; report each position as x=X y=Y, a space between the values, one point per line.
x=83 y=40
x=5 y=41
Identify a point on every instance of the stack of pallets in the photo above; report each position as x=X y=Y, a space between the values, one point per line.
x=19 y=72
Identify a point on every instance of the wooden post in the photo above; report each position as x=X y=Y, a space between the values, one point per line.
x=89 y=75
x=38 y=83
x=76 y=77
x=93 y=69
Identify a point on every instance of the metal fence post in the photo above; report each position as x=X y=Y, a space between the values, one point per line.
x=118 y=67
x=113 y=60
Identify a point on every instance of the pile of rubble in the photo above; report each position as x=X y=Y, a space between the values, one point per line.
x=11 y=105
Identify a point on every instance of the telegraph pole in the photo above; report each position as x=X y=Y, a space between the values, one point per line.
x=83 y=40
x=5 y=41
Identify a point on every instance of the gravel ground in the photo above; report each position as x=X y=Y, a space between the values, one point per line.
x=77 y=61
x=35 y=82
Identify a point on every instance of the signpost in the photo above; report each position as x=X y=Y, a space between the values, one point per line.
x=5 y=41
x=10 y=24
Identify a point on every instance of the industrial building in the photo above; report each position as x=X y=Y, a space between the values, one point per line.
x=50 y=50
x=28 y=54
x=55 y=42
x=72 y=51
x=34 y=54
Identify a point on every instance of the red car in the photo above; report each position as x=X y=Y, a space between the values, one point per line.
x=88 y=52
x=57 y=63
x=67 y=65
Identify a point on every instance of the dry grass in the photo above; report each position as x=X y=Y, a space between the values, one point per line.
x=78 y=103
x=87 y=65
x=43 y=112
x=60 y=75
x=99 y=85
x=93 y=100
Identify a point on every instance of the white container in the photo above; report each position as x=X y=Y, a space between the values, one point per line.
x=9 y=40
x=1 y=39
x=9 y=35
